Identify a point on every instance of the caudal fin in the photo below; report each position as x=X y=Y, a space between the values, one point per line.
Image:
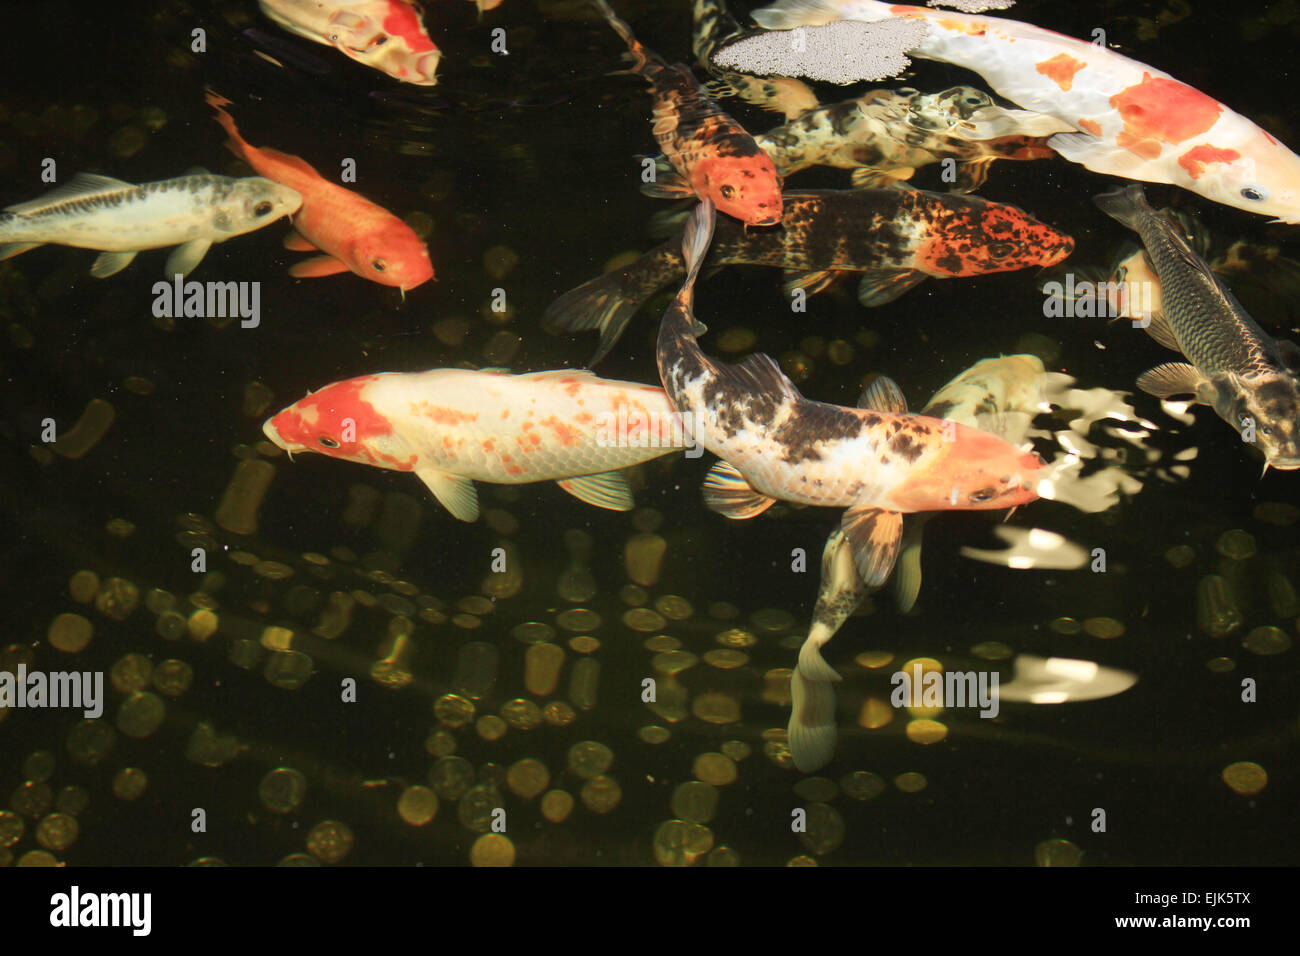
x=234 y=142
x=603 y=304
x=811 y=730
x=640 y=56
x=1125 y=205
x=695 y=244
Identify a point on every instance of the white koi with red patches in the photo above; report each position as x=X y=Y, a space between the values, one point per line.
x=386 y=35
x=455 y=426
x=1133 y=120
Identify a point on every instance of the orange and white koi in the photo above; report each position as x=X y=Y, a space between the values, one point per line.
x=353 y=233
x=452 y=427
x=1131 y=120
x=709 y=150
x=386 y=35
x=776 y=444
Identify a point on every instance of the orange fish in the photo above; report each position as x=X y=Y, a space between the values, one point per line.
x=711 y=152
x=353 y=233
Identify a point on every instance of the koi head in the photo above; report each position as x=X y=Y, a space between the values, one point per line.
x=1260 y=176
x=340 y=421
x=968 y=236
x=976 y=471
x=386 y=35
x=745 y=185
x=1265 y=410
x=254 y=202
x=392 y=256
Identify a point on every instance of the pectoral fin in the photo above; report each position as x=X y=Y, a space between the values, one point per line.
x=185 y=257
x=1290 y=353
x=1158 y=328
x=456 y=494
x=906 y=582
x=667 y=186
x=882 y=286
x=317 y=266
x=727 y=492
x=110 y=263
x=10 y=249
x=875 y=536
x=1101 y=156
x=606 y=490
x=810 y=282
x=971 y=176
x=297 y=242
x=883 y=395
x=1176 y=378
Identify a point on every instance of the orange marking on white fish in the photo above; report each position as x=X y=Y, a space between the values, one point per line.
x=1198 y=157
x=1061 y=69
x=1090 y=126
x=1163 y=109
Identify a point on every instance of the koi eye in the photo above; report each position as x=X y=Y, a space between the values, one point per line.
x=1000 y=250
x=379 y=265
x=1254 y=194
x=263 y=208
x=984 y=494
x=328 y=442
x=728 y=192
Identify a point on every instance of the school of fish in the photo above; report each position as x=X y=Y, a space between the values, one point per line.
x=883 y=469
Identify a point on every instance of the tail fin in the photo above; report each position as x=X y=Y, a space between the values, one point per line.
x=811 y=729
x=640 y=56
x=234 y=142
x=600 y=304
x=788 y=14
x=695 y=245
x=811 y=663
x=1125 y=205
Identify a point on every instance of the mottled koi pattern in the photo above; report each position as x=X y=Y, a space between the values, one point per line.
x=1133 y=120
x=779 y=445
x=894 y=238
x=454 y=426
x=711 y=152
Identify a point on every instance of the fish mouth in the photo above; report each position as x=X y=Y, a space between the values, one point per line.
x=769 y=221
x=271 y=432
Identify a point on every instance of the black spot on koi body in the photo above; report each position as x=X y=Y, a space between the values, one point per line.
x=905 y=447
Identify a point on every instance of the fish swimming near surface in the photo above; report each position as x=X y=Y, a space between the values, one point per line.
x=1236 y=368
x=1130 y=119
x=892 y=238
x=120 y=219
x=777 y=445
x=353 y=233
x=886 y=135
x=385 y=35
x=452 y=427
x=711 y=153
x=1000 y=396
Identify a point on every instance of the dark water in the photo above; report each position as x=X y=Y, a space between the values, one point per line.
x=534 y=151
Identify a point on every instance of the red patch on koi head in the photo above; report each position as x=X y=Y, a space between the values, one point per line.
x=990 y=237
x=336 y=421
x=977 y=472
x=1162 y=110
x=403 y=20
x=1061 y=69
x=1198 y=157
x=747 y=188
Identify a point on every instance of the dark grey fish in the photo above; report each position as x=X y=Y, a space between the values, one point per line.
x=1236 y=368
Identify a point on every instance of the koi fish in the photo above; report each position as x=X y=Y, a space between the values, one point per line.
x=189 y=212
x=886 y=135
x=1000 y=396
x=894 y=238
x=777 y=445
x=711 y=153
x=713 y=27
x=352 y=232
x=385 y=35
x=1131 y=120
x=452 y=427
x=1236 y=368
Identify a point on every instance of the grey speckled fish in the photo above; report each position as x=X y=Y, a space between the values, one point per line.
x=1236 y=368
x=189 y=212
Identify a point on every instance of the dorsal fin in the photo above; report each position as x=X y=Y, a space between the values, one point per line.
x=759 y=373
x=78 y=187
x=883 y=395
